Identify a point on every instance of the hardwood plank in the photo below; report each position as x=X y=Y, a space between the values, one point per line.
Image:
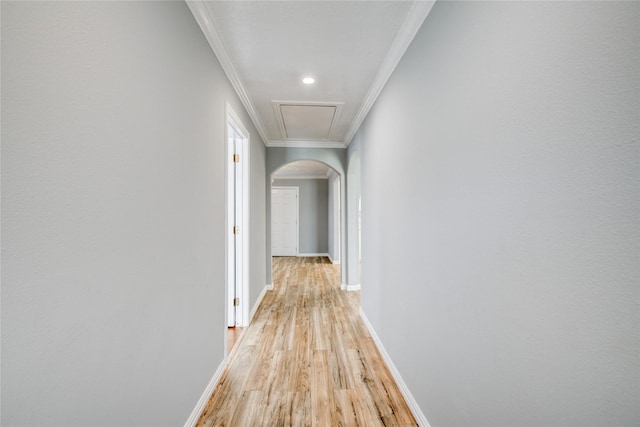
x=307 y=359
x=222 y=404
x=339 y=365
x=301 y=409
x=345 y=410
x=322 y=404
x=250 y=408
x=233 y=335
x=261 y=365
x=301 y=363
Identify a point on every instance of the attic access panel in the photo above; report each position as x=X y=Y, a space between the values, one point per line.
x=307 y=121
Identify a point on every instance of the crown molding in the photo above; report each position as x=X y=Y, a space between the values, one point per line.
x=307 y=144
x=419 y=12
x=205 y=20
x=281 y=177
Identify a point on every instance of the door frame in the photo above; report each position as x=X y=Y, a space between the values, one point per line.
x=297 y=190
x=237 y=315
x=337 y=221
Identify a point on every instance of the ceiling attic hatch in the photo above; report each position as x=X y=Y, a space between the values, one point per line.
x=307 y=121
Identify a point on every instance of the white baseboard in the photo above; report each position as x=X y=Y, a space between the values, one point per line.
x=258 y=301
x=333 y=261
x=343 y=287
x=206 y=395
x=312 y=254
x=269 y=286
x=408 y=397
x=354 y=287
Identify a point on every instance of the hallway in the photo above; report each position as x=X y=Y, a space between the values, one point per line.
x=307 y=359
x=485 y=173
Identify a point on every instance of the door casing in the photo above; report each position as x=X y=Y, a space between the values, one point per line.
x=237 y=253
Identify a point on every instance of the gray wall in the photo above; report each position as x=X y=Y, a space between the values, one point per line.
x=330 y=221
x=514 y=268
x=113 y=195
x=353 y=195
x=313 y=226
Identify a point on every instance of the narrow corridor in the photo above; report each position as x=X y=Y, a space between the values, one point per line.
x=307 y=359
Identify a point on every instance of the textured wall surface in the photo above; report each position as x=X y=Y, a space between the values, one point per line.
x=353 y=197
x=331 y=225
x=504 y=240
x=113 y=198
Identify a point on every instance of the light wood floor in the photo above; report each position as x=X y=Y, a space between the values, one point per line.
x=233 y=335
x=306 y=360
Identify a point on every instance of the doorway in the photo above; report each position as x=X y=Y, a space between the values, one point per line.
x=320 y=225
x=284 y=221
x=237 y=147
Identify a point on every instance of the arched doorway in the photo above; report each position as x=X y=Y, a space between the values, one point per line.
x=306 y=210
x=334 y=158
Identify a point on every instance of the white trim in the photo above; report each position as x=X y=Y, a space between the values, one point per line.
x=307 y=144
x=206 y=395
x=310 y=254
x=408 y=397
x=407 y=32
x=298 y=177
x=234 y=121
x=354 y=287
x=343 y=287
x=258 y=302
x=333 y=261
x=205 y=20
x=229 y=221
x=269 y=286
x=335 y=191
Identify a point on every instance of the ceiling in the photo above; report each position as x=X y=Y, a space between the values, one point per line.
x=349 y=47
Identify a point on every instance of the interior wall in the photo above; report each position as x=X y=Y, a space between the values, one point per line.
x=353 y=196
x=313 y=208
x=335 y=212
x=331 y=226
x=257 y=220
x=113 y=213
x=503 y=236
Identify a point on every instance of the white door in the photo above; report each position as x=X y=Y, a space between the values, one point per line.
x=238 y=223
x=284 y=221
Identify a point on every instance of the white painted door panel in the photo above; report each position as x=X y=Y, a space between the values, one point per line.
x=284 y=221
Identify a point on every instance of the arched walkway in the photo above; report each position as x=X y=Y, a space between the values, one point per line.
x=335 y=159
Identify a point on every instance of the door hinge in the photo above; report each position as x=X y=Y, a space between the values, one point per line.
x=236 y=229
x=236 y=158
x=236 y=302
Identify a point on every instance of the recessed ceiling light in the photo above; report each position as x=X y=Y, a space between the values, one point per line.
x=308 y=80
